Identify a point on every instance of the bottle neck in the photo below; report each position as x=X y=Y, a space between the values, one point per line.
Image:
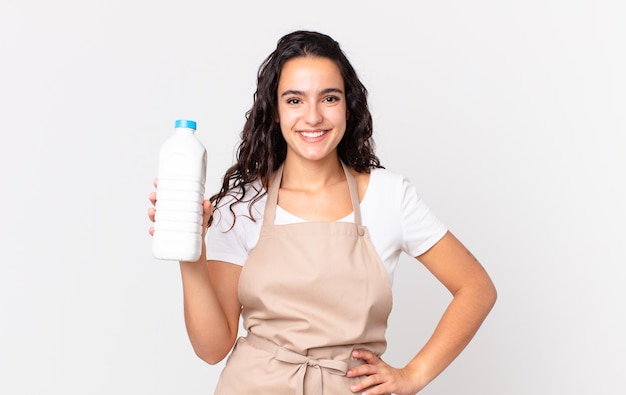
x=185 y=131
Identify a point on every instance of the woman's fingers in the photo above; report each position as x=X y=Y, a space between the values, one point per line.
x=151 y=213
x=378 y=377
x=207 y=209
x=367 y=368
x=152 y=210
x=367 y=356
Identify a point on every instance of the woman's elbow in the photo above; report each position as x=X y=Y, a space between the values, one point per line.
x=212 y=357
x=489 y=294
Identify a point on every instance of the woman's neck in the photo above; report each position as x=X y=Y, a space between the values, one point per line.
x=311 y=175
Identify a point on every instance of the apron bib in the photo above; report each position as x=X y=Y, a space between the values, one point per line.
x=311 y=293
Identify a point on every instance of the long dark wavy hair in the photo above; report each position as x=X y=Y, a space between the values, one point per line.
x=263 y=149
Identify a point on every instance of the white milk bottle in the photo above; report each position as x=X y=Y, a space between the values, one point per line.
x=180 y=192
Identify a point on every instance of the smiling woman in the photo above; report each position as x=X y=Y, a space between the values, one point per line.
x=304 y=237
x=311 y=108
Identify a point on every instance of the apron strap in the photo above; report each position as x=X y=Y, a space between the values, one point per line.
x=272 y=196
x=354 y=195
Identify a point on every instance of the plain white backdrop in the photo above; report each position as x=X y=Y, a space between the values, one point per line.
x=509 y=116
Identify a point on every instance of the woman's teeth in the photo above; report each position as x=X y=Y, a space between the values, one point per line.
x=312 y=134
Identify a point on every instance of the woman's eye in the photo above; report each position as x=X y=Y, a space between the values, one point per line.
x=331 y=99
x=293 y=101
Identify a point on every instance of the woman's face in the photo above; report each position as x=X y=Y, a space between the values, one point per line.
x=311 y=107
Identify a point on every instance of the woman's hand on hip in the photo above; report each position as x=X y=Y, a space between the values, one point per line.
x=381 y=378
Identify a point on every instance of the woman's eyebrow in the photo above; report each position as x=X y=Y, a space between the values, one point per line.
x=301 y=93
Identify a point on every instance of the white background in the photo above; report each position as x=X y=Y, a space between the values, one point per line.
x=508 y=115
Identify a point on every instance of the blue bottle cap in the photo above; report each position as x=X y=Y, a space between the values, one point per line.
x=185 y=123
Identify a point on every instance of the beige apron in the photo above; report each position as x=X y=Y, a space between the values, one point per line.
x=311 y=293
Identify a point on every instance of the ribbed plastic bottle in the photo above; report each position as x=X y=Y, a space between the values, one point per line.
x=180 y=192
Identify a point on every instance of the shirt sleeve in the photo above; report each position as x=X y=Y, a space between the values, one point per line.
x=229 y=243
x=420 y=227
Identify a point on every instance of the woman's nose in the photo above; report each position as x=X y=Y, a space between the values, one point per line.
x=313 y=115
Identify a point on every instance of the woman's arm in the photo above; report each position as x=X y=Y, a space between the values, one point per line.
x=473 y=297
x=212 y=307
x=211 y=304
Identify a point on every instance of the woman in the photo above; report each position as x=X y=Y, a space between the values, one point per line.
x=306 y=233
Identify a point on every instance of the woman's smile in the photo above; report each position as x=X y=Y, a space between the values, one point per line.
x=313 y=135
